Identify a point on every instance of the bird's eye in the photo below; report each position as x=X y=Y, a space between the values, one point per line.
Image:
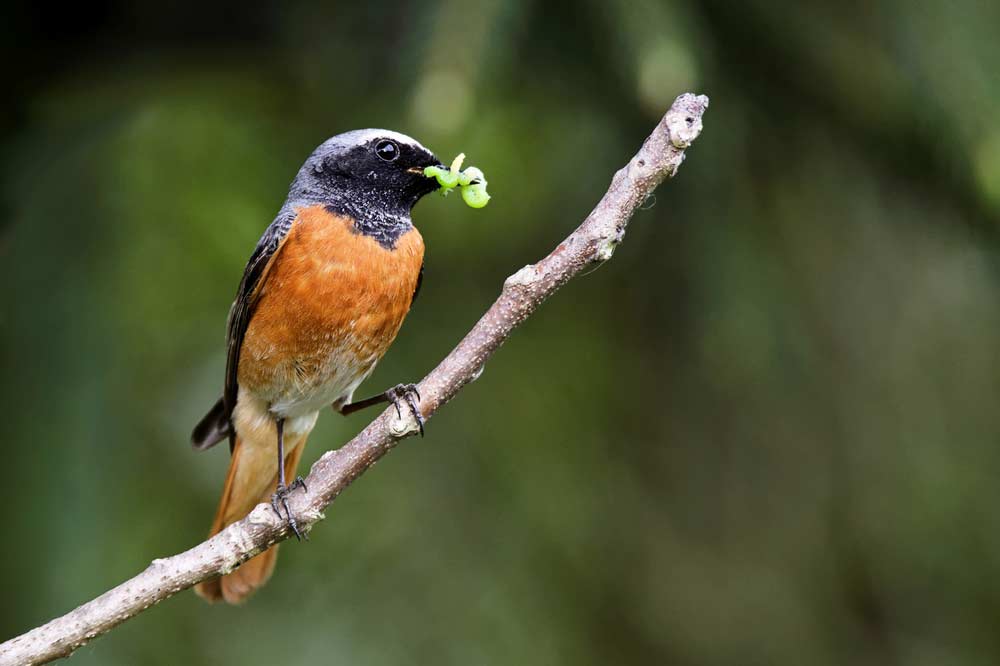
x=387 y=150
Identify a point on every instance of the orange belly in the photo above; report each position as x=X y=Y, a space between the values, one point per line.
x=332 y=303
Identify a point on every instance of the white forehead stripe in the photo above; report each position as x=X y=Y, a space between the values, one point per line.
x=358 y=137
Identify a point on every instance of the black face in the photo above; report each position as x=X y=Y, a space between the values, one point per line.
x=372 y=176
x=384 y=169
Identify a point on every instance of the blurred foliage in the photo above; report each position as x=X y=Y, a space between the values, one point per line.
x=766 y=433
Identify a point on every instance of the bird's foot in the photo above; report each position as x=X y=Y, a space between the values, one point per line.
x=406 y=393
x=280 y=500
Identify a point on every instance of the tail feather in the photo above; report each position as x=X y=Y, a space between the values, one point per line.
x=243 y=491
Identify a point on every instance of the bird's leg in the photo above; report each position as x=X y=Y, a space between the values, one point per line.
x=397 y=394
x=282 y=492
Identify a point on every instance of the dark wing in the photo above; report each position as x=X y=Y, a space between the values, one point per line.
x=212 y=428
x=246 y=300
x=217 y=425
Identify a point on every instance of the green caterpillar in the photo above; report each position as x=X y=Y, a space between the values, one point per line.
x=472 y=182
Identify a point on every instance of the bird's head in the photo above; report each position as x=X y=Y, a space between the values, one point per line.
x=375 y=169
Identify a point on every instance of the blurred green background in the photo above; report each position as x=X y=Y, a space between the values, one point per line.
x=765 y=433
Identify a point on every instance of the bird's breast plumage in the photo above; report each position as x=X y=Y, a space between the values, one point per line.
x=333 y=301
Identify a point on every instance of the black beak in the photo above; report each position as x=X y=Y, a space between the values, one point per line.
x=426 y=185
x=434 y=161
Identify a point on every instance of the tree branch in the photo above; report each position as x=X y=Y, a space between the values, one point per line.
x=593 y=242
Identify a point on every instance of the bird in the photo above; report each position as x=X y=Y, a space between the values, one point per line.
x=322 y=298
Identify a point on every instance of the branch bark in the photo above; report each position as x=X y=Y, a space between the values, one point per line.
x=593 y=242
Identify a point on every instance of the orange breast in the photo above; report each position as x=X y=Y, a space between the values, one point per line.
x=331 y=305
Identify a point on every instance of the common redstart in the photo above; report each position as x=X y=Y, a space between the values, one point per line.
x=322 y=297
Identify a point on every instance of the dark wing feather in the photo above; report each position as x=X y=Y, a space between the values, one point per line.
x=212 y=429
x=217 y=424
x=246 y=299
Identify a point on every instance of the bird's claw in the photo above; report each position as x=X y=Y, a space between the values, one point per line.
x=406 y=392
x=281 y=496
